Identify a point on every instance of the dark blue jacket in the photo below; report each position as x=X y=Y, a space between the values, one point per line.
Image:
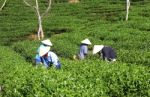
x=108 y=53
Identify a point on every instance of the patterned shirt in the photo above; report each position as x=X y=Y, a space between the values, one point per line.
x=49 y=60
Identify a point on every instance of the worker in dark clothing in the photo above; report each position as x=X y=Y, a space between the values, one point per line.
x=107 y=53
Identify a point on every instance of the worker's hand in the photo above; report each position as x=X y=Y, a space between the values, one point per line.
x=74 y=57
x=113 y=60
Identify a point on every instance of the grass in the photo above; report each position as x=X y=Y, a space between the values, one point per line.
x=103 y=22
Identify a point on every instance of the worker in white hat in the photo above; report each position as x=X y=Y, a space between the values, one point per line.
x=83 y=49
x=45 y=42
x=107 y=53
x=47 y=57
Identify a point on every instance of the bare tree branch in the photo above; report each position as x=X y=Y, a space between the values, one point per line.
x=3 y=5
x=29 y=4
x=127 y=8
x=40 y=31
x=37 y=8
x=48 y=8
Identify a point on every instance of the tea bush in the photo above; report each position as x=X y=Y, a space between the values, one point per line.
x=92 y=78
x=66 y=25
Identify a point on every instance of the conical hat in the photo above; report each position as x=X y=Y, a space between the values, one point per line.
x=97 y=48
x=86 y=41
x=47 y=42
x=43 y=50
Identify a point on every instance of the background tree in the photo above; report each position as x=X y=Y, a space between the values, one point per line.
x=3 y=4
x=127 y=8
x=40 y=16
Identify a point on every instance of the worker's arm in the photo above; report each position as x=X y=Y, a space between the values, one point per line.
x=54 y=59
x=38 y=59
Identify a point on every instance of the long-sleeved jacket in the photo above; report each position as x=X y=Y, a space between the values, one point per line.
x=83 y=51
x=108 y=53
x=48 y=60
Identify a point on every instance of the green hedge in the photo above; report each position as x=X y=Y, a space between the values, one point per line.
x=76 y=78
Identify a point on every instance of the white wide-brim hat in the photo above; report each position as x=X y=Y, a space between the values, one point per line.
x=86 y=41
x=47 y=42
x=97 y=48
x=43 y=50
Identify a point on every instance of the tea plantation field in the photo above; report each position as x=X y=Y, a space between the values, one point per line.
x=66 y=24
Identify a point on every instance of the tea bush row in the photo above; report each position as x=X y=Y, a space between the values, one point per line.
x=129 y=76
x=76 y=78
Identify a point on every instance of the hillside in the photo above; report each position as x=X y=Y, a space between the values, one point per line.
x=103 y=22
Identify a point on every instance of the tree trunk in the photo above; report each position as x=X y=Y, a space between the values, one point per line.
x=40 y=29
x=127 y=8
